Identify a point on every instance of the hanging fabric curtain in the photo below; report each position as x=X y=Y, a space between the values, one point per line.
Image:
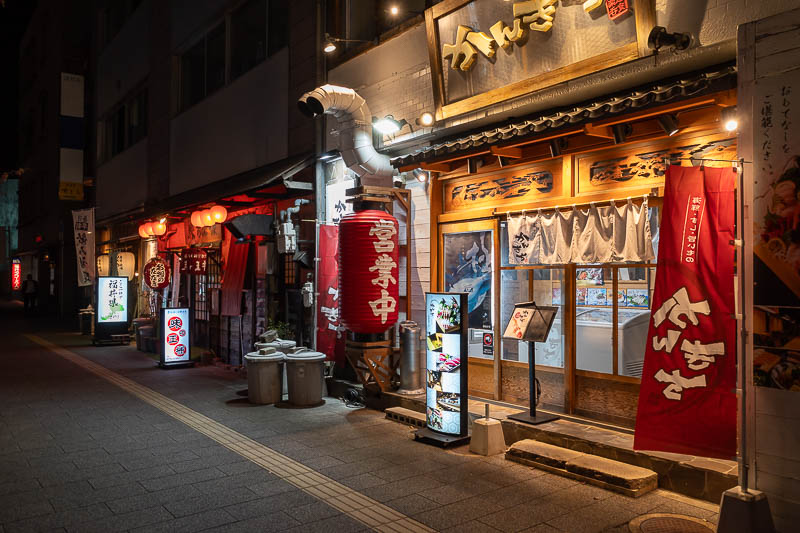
x=607 y=234
x=233 y=279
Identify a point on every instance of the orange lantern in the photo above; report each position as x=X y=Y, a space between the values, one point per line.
x=143 y=232
x=148 y=227
x=219 y=213
x=197 y=219
x=208 y=219
x=159 y=228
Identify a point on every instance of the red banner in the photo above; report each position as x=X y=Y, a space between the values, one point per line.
x=687 y=402
x=330 y=340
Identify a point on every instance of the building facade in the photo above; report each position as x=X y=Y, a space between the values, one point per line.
x=54 y=151
x=538 y=122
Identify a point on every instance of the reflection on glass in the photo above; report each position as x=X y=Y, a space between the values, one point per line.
x=635 y=292
x=544 y=287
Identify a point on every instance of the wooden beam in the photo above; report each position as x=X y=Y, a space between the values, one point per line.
x=510 y=152
x=437 y=167
x=603 y=132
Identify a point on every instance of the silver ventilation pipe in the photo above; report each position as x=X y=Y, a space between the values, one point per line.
x=355 y=135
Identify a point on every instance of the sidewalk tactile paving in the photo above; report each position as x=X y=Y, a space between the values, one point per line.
x=356 y=505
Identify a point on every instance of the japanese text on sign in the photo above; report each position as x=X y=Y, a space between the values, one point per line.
x=384 y=267
x=691 y=228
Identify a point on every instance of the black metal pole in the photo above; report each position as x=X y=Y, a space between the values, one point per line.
x=532 y=376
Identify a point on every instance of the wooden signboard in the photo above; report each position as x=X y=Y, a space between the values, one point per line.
x=644 y=165
x=488 y=51
x=504 y=188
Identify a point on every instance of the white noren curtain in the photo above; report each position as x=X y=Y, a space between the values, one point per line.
x=607 y=234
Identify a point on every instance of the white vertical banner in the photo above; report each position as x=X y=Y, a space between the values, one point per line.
x=83 y=229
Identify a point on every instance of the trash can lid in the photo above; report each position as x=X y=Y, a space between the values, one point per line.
x=269 y=335
x=255 y=357
x=305 y=355
x=278 y=344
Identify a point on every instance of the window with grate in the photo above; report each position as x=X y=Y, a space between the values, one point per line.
x=204 y=285
x=289 y=270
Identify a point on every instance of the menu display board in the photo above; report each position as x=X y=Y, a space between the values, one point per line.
x=112 y=299
x=530 y=322
x=446 y=376
x=175 y=339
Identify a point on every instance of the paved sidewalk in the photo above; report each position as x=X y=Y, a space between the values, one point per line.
x=78 y=453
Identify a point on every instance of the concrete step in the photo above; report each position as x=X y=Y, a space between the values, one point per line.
x=626 y=479
x=406 y=416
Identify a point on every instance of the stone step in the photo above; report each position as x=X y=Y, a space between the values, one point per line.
x=626 y=479
x=406 y=416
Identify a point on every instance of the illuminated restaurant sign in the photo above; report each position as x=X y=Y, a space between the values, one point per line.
x=16 y=275
x=446 y=376
x=175 y=327
x=112 y=299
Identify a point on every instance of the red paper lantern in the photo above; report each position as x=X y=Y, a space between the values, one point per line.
x=156 y=273
x=208 y=219
x=368 y=271
x=143 y=231
x=197 y=219
x=148 y=228
x=159 y=228
x=219 y=213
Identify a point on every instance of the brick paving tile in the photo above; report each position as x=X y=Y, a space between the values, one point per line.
x=338 y=524
x=188 y=524
x=311 y=512
x=276 y=502
x=151 y=499
x=123 y=522
x=201 y=502
x=65 y=519
x=278 y=521
x=592 y=518
x=472 y=526
x=523 y=516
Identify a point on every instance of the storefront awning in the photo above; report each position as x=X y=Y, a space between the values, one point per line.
x=641 y=98
x=280 y=180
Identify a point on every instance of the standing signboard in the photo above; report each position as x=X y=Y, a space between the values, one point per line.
x=531 y=323
x=175 y=345
x=112 y=307
x=446 y=406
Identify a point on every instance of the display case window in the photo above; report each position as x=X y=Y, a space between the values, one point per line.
x=544 y=286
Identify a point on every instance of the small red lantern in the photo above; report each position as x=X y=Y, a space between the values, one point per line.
x=156 y=273
x=159 y=228
x=368 y=271
x=143 y=231
x=197 y=219
x=208 y=219
x=148 y=228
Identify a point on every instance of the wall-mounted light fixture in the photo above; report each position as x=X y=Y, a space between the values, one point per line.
x=659 y=37
x=388 y=124
x=729 y=118
x=621 y=132
x=669 y=123
x=426 y=119
x=329 y=45
x=421 y=175
x=394 y=11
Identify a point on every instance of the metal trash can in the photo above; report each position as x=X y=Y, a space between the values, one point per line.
x=146 y=339
x=305 y=377
x=264 y=377
x=411 y=367
x=138 y=324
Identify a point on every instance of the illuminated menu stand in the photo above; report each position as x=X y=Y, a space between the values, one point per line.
x=531 y=323
x=180 y=337
x=111 y=316
x=461 y=434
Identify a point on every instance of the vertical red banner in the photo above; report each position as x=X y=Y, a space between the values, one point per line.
x=330 y=339
x=687 y=402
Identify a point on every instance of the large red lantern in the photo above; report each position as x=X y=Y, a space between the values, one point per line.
x=156 y=274
x=368 y=272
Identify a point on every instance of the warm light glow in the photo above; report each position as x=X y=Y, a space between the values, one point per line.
x=729 y=119
x=148 y=227
x=143 y=231
x=159 y=228
x=387 y=125
x=393 y=10
x=208 y=219
x=731 y=124
x=163 y=219
x=197 y=219
x=219 y=213
x=330 y=46
x=426 y=119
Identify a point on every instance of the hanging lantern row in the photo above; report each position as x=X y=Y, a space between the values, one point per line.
x=208 y=217
x=153 y=229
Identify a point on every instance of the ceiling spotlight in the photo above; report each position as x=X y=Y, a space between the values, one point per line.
x=557 y=145
x=729 y=118
x=388 y=124
x=669 y=123
x=621 y=132
x=659 y=37
x=421 y=175
x=393 y=10
x=425 y=119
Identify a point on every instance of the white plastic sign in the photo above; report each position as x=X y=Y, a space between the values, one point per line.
x=176 y=335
